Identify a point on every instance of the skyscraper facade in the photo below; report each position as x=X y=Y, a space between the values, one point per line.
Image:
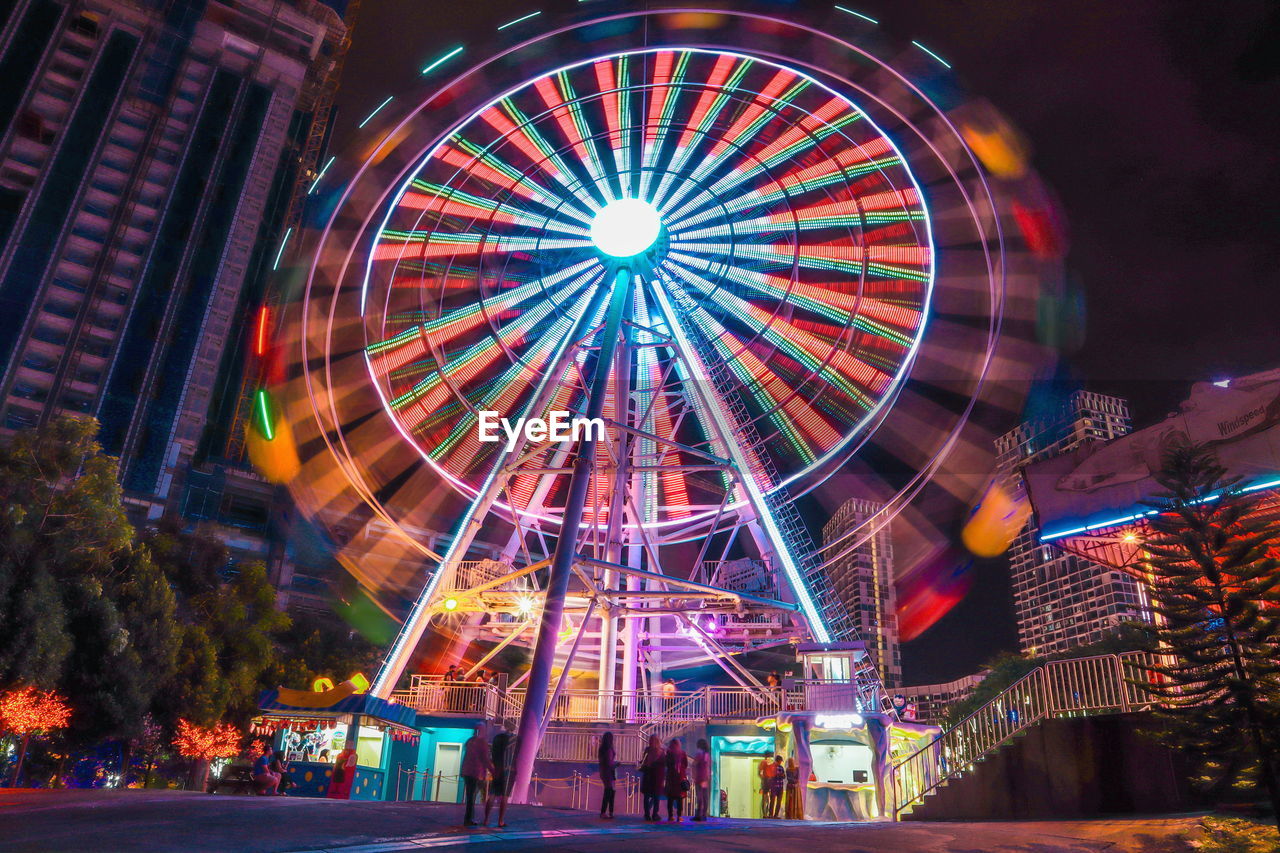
x=1061 y=600
x=149 y=153
x=863 y=578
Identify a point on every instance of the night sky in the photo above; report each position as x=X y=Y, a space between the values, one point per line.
x=1156 y=124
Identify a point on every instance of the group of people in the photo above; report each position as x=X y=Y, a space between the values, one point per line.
x=457 y=673
x=666 y=773
x=270 y=773
x=485 y=761
x=780 y=788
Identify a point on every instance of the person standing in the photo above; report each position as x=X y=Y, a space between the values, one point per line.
x=653 y=773
x=501 y=753
x=344 y=774
x=477 y=764
x=677 y=781
x=765 y=774
x=702 y=781
x=608 y=760
x=777 y=784
x=793 y=808
x=668 y=694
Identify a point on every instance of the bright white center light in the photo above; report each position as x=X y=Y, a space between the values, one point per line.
x=625 y=227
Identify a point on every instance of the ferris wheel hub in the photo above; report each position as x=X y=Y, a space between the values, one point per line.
x=626 y=227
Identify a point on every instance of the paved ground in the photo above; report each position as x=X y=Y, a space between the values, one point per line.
x=110 y=821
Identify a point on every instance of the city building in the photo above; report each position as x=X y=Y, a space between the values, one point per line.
x=1062 y=600
x=151 y=158
x=863 y=578
x=931 y=701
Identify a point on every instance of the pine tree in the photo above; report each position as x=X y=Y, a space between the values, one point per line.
x=1215 y=583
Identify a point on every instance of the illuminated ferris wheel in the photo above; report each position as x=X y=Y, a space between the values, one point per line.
x=751 y=249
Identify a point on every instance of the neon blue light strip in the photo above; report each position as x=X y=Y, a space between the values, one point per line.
x=1048 y=537
x=858 y=15
x=321 y=175
x=945 y=64
x=518 y=20
x=283 y=243
x=370 y=116
x=450 y=55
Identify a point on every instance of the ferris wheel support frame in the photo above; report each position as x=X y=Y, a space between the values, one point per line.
x=533 y=715
x=415 y=624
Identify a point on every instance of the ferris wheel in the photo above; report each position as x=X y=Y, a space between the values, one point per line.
x=753 y=250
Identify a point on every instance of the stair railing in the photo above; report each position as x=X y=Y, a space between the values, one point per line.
x=1074 y=687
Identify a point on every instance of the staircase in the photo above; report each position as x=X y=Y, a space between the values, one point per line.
x=1064 y=688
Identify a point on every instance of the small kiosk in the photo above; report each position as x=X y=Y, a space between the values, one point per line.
x=312 y=727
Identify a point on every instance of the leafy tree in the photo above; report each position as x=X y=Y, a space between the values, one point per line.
x=81 y=609
x=60 y=518
x=1216 y=587
x=318 y=645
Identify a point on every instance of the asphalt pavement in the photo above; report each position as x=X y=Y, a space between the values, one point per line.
x=147 y=821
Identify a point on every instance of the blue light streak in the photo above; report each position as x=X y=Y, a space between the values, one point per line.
x=283 y=243
x=377 y=110
x=321 y=175
x=944 y=63
x=858 y=15
x=518 y=20
x=442 y=60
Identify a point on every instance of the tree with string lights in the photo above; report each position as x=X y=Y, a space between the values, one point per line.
x=25 y=712
x=203 y=744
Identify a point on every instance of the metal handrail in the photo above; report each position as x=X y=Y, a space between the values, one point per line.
x=1076 y=686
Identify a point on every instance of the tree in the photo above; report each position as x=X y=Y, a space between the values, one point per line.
x=26 y=711
x=317 y=645
x=203 y=744
x=60 y=518
x=82 y=608
x=1215 y=583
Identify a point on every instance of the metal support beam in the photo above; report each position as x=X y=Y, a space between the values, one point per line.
x=532 y=716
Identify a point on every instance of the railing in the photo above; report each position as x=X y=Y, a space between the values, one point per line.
x=567 y=744
x=430 y=696
x=1076 y=687
x=651 y=710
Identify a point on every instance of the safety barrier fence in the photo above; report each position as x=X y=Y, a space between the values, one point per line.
x=1064 y=688
x=578 y=790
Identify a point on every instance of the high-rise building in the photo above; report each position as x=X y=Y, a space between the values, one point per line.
x=931 y=701
x=863 y=578
x=1061 y=600
x=150 y=154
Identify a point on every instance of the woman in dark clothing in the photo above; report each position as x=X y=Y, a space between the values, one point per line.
x=608 y=764
x=677 y=782
x=653 y=774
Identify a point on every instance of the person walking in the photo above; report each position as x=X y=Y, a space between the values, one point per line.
x=702 y=781
x=793 y=807
x=608 y=760
x=677 y=781
x=501 y=753
x=477 y=764
x=653 y=774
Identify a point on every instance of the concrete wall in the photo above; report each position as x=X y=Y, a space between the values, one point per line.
x=1079 y=767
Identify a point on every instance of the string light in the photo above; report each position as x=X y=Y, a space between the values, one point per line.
x=221 y=740
x=27 y=711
